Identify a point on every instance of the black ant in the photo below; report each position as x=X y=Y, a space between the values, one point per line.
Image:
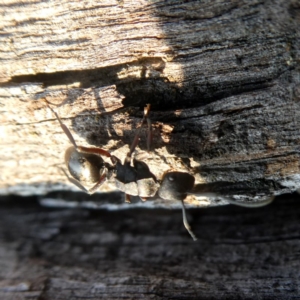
x=133 y=177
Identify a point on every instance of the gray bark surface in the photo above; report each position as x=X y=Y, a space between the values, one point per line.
x=147 y=254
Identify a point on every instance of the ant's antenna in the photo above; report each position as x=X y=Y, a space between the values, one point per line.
x=186 y=223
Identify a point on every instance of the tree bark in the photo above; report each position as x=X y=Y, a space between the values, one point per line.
x=147 y=254
x=222 y=80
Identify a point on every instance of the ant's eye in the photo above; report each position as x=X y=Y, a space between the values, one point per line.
x=171 y=178
x=81 y=160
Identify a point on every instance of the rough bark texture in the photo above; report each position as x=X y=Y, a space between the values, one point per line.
x=147 y=254
x=222 y=79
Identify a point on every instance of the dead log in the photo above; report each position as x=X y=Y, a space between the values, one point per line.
x=222 y=80
x=147 y=254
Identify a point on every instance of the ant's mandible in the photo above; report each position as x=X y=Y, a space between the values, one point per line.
x=133 y=177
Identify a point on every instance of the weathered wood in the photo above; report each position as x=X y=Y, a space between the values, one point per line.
x=222 y=79
x=223 y=82
x=147 y=254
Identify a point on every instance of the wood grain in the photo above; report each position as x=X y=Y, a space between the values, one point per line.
x=147 y=254
x=222 y=79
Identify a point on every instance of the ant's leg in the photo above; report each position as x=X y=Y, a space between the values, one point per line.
x=97 y=151
x=149 y=137
x=80 y=186
x=143 y=199
x=102 y=179
x=137 y=135
x=64 y=128
x=186 y=224
x=74 y=181
x=127 y=198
